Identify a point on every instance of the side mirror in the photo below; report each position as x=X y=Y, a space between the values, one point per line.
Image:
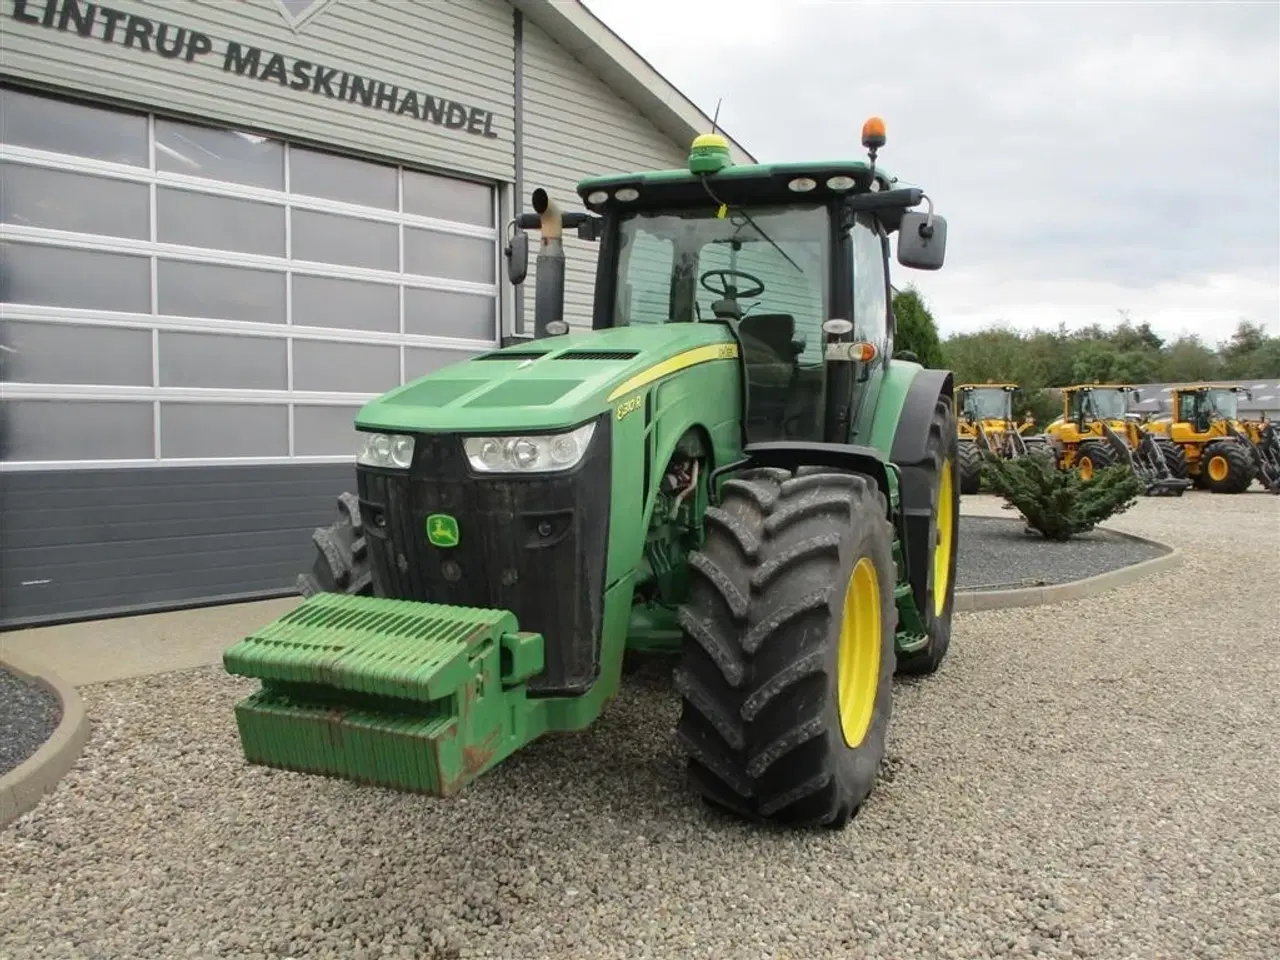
x=517 y=253
x=922 y=241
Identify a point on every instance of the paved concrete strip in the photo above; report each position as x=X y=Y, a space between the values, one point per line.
x=98 y=651
x=973 y=600
x=22 y=788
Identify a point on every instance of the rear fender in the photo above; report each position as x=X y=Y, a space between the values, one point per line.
x=910 y=453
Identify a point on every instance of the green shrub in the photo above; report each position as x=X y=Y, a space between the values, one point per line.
x=1056 y=502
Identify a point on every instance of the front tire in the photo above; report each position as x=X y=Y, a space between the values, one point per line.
x=1175 y=458
x=1092 y=458
x=788 y=655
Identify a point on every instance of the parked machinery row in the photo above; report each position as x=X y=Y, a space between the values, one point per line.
x=1202 y=443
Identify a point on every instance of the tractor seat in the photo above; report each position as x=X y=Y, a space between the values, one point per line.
x=770 y=361
x=769 y=339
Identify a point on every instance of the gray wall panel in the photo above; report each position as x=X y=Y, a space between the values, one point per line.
x=347 y=367
x=70 y=353
x=78 y=430
x=324 y=431
x=211 y=360
x=219 y=223
x=84 y=543
x=347 y=304
x=79 y=279
x=217 y=292
x=200 y=430
x=57 y=200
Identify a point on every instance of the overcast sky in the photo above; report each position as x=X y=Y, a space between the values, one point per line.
x=1089 y=158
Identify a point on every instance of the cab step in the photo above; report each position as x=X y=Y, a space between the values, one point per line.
x=418 y=697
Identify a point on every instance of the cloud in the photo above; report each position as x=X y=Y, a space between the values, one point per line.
x=1089 y=157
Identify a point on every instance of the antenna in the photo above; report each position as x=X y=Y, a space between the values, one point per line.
x=715 y=119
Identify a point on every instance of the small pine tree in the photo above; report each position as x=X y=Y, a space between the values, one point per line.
x=1056 y=502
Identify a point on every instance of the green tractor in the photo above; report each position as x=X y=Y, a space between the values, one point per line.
x=728 y=467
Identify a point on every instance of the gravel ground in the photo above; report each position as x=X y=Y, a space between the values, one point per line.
x=1097 y=779
x=28 y=717
x=995 y=553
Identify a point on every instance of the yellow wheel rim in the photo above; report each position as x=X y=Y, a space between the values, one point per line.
x=1218 y=468
x=859 y=664
x=942 y=548
x=1086 y=468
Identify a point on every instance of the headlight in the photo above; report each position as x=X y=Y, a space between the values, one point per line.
x=541 y=453
x=385 y=450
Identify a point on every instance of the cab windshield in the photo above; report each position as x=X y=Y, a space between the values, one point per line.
x=766 y=266
x=1100 y=404
x=1222 y=403
x=988 y=403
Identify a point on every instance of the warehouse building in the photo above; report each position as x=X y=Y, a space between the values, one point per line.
x=226 y=224
x=1260 y=399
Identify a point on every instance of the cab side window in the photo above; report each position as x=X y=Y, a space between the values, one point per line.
x=644 y=280
x=1187 y=407
x=870 y=298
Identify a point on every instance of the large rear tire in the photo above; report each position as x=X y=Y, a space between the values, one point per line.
x=342 y=562
x=788 y=657
x=970 y=460
x=1226 y=467
x=944 y=539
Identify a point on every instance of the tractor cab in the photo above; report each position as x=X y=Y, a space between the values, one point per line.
x=1203 y=405
x=1087 y=404
x=790 y=259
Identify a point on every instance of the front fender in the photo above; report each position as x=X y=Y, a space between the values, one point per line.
x=906 y=420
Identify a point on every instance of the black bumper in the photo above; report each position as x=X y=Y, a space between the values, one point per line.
x=534 y=545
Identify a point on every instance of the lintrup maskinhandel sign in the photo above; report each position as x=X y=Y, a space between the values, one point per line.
x=146 y=35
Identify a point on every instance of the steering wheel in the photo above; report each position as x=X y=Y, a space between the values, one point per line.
x=725 y=288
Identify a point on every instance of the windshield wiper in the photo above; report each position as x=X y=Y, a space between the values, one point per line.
x=755 y=226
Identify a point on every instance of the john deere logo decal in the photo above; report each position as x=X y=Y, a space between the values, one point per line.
x=442 y=530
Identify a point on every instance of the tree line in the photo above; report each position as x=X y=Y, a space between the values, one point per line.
x=1041 y=359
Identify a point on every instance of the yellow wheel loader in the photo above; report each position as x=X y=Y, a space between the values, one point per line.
x=986 y=424
x=1223 y=453
x=1097 y=431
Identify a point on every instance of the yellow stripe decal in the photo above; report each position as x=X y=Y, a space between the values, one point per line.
x=681 y=361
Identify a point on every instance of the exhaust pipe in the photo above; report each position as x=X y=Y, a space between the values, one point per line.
x=548 y=298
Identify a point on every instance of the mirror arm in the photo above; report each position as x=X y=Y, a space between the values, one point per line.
x=926 y=228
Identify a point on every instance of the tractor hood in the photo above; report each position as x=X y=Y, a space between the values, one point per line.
x=546 y=384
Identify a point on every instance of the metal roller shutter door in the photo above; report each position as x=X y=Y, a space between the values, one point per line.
x=190 y=318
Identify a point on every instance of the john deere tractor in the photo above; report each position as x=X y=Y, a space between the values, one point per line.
x=1222 y=454
x=1097 y=431
x=726 y=466
x=987 y=424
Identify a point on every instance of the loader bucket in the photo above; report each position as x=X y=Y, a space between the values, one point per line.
x=412 y=696
x=1147 y=462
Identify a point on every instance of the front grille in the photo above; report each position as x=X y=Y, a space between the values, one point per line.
x=533 y=545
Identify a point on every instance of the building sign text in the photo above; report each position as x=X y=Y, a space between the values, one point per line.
x=180 y=44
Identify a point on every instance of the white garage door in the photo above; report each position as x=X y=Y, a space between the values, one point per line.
x=181 y=294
